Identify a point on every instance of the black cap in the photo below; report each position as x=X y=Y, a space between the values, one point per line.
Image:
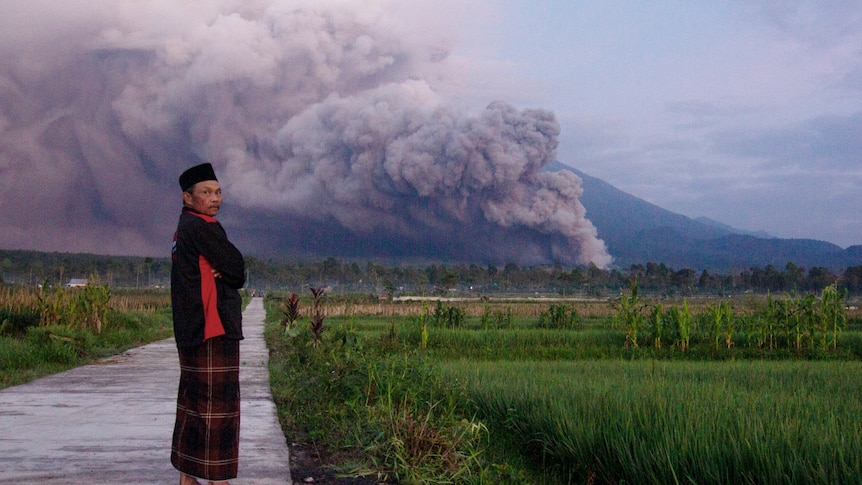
x=196 y=174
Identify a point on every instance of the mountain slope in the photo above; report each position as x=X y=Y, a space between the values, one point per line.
x=638 y=232
x=731 y=230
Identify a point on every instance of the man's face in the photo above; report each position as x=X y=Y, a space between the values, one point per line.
x=205 y=198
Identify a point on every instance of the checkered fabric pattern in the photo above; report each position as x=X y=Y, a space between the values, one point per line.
x=206 y=434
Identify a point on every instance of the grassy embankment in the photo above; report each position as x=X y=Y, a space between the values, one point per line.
x=45 y=332
x=751 y=391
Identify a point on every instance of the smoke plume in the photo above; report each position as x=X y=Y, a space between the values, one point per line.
x=331 y=125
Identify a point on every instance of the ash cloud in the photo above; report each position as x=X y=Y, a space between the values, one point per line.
x=325 y=120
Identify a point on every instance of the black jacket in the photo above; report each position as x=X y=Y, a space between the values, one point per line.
x=205 y=306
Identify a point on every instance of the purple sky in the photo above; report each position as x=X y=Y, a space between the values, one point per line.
x=377 y=119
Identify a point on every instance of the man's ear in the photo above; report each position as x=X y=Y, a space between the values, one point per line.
x=187 y=199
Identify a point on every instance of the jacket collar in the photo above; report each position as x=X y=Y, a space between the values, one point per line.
x=188 y=210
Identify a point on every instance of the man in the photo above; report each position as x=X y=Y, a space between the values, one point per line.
x=206 y=272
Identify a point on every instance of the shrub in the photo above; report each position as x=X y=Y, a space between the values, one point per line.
x=14 y=323
x=559 y=317
x=448 y=316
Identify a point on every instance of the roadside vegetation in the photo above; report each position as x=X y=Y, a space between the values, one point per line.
x=48 y=330
x=753 y=389
x=545 y=375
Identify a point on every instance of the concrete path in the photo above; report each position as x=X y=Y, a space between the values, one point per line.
x=111 y=422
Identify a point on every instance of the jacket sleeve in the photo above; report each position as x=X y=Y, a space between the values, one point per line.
x=213 y=244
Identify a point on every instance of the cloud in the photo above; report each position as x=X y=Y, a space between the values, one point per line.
x=325 y=113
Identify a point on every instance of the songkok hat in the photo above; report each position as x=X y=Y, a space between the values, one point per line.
x=196 y=174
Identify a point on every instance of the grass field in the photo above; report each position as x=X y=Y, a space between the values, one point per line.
x=670 y=422
x=752 y=390
x=521 y=402
x=43 y=333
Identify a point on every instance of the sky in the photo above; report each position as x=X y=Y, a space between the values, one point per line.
x=746 y=112
x=419 y=128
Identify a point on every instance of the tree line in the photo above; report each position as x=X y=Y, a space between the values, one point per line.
x=31 y=268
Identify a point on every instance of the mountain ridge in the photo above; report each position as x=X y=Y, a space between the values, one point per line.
x=636 y=232
x=731 y=229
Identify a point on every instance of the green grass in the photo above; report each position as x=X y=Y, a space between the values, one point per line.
x=672 y=422
x=365 y=394
x=47 y=350
x=574 y=405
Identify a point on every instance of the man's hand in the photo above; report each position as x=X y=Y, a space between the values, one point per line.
x=216 y=273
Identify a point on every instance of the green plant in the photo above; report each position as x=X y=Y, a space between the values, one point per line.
x=774 y=312
x=422 y=321
x=485 y=318
x=448 y=316
x=75 y=307
x=558 y=316
x=656 y=321
x=503 y=319
x=630 y=313
x=833 y=311
x=681 y=319
x=15 y=322
x=721 y=323
x=92 y=303
x=803 y=317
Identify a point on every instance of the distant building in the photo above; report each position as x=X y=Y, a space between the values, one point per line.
x=76 y=283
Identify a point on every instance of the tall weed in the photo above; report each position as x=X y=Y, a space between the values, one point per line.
x=373 y=395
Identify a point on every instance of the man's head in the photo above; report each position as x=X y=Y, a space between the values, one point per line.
x=201 y=190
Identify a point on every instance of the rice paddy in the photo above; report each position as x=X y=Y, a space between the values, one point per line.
x=576 y=402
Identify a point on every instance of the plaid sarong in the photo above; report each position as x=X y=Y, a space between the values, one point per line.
x=206 y=433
